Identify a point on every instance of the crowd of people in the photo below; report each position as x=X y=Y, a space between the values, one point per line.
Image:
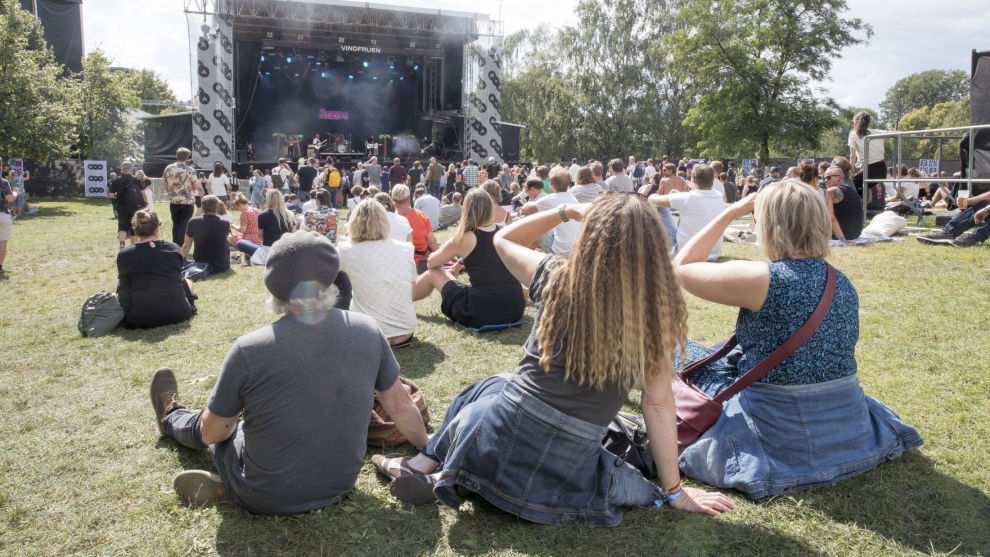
x=602 y=259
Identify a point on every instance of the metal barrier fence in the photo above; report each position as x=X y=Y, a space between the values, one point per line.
x=899 y=138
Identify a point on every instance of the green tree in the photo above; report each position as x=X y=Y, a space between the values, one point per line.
x=942 y=115
x=751 y=64
x=105 y=126
x=923 y=89
x=599 y=89
x=148 y=86
x=37 y=107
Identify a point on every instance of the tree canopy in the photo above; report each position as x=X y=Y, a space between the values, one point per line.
x=38 y=109
x=750 y=64
x=943 y=115
x=148 y=86
x=595 y=90
x=105 y=129
x=923 y=89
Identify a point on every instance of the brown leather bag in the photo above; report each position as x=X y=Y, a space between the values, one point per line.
x=696 y=411
x=382 y=431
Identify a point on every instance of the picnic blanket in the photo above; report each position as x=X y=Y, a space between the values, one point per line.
x=864 y=239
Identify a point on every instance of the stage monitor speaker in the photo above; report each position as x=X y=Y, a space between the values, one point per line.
x=979 y=114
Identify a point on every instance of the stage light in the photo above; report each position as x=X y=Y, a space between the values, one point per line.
x=402 y=77
x=340 y=40
x=350 y=77
x=297 y=75
x=262 y=57
x=392 y=67
x=416 y=67
x=269 y=35
x=324 y=74
x=412 y=44
x=374 y=77
x=268 y=73
x=289 y=59
x=318 y=63
x=366 y=63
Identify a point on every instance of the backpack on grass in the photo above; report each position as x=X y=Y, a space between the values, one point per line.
x=101 y=313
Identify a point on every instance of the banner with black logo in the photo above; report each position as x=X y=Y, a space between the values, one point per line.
x=213 y=124
x=95 y=178
x=482 y=101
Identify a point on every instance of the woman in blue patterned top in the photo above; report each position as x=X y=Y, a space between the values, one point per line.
x=807 y=422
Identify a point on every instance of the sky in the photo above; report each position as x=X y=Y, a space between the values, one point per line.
x=909 y=36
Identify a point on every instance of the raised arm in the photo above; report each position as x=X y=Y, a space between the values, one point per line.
x=512 y=242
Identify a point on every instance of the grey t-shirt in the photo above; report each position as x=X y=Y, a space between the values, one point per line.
x=620 y=183
x=582 y=402
x=307 y=392
x=374 y=174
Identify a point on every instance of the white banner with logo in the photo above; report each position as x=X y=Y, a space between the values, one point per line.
x=928 y=166
x=95 y=178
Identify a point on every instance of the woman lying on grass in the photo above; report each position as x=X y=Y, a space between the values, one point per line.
x=806 y=423
x=609 y=318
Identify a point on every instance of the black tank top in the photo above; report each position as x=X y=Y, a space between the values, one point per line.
x=485 y=266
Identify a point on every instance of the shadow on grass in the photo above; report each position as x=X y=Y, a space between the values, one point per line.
x=482 y=529
x=49 y=213
x=911 y=502
x=151 y=336
x=419 y=359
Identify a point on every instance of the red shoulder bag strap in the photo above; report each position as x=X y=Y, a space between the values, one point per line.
x=785 y=350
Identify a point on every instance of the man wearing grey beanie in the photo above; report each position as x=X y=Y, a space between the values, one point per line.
x=305 y=386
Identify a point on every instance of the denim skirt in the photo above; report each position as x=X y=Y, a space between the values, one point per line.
x=529 y=459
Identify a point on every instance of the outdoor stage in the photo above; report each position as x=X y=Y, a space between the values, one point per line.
x=270 y=75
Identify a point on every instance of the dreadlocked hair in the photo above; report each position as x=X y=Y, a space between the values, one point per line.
x=616 y=299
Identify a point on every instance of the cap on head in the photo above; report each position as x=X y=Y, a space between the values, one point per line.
x=127 y=165
x=298 y=258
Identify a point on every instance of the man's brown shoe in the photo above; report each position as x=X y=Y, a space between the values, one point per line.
x=164 y=395
x=200 y=488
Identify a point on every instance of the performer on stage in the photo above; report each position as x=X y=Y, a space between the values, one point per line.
x=370 y=147
x=316 y=140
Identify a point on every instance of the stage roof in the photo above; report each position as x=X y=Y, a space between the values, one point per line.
x=443 y=9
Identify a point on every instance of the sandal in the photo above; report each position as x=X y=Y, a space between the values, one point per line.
x=416 y=489
x=393 y=466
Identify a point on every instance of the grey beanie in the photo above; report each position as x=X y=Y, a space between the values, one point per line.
x=297 y=258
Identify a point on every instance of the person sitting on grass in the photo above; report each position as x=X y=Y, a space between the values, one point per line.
x=807 y=422
x=844 y=205
x=248 y=230
x=322 y=218
x=422 y=230
x=150 y=286
x=494 y=296
x=208 y=233
x=530 y=443
x=696 y=207
x=273 y=222
x=559 y=240
x=502 y=215
x=305 y=386
x=382 y=271
x=450 y=213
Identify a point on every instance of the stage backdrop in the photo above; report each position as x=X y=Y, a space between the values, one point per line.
x=213 y=124
x=482 y=98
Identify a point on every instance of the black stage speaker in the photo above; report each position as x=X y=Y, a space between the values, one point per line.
x=62 y=20
x=979 y=113
x=510 y=143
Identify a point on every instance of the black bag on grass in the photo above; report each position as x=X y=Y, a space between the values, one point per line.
x=626 y=439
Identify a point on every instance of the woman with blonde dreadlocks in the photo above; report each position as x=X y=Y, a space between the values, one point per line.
x=609 y=318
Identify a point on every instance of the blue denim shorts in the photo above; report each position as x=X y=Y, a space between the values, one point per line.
x=530 y=459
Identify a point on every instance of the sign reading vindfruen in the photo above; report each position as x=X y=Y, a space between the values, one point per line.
x=95 y=178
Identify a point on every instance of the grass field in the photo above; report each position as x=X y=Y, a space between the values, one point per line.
x=83 y=471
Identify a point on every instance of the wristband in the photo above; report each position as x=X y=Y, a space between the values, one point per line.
x=561 y=211
x=669 y=497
